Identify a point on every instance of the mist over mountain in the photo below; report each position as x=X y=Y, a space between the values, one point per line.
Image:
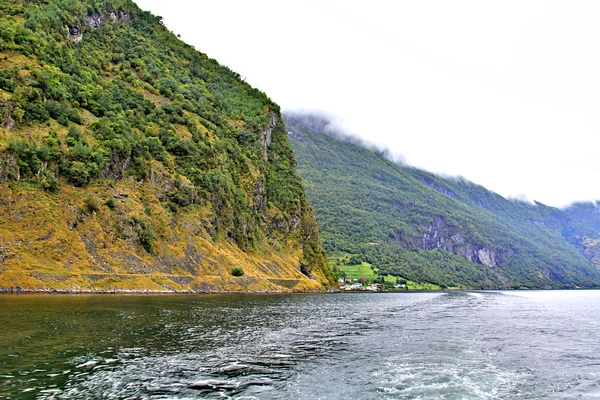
x=322 y=122
x=420 y=226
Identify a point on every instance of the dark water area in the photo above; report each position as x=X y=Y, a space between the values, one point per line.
x=482 y=345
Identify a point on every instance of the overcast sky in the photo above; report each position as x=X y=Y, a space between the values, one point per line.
x=504 y=93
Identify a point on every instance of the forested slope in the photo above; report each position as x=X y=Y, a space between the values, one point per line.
x=422 y=227
x=130 y=160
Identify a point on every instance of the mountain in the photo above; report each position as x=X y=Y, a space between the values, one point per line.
x=129 y=160
x=422 y=227
x=586 y=237
x=587 y=214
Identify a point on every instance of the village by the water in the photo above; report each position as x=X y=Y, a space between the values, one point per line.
x=364 y=277
x=360 y=284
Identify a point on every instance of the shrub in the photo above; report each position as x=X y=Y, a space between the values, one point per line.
x=145 y=231
x=49 y=182
x=74 y=135
x=78 y=174
x=110 y=203
x=237 y=271
x=92 y=203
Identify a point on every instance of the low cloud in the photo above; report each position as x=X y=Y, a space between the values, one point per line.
x=320 y=121
x=521 y=198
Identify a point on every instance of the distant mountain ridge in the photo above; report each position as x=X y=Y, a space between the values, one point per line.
x=420 y=226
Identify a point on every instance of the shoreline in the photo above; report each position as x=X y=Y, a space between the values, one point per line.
x=20 y=291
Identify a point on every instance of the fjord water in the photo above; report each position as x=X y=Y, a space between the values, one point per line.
x=481 y=345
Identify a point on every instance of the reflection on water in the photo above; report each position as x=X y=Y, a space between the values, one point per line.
x=486 y=345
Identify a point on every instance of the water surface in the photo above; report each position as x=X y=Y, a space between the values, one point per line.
x=485 y=345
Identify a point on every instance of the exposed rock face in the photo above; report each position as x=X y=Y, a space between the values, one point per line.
x=6 y=111
x=259 y=196
x=439 y=188
x=487 y=257
x=116 y=167
x=265 y=139
x=162 y=182
x=5 y=254
x=74 y=33
x=8 y=163
x=438 y=235
x=95 y=21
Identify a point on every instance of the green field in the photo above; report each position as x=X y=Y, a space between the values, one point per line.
x=364 y=270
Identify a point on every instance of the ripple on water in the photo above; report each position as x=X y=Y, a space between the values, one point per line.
x=430 y=380
x=402 y=346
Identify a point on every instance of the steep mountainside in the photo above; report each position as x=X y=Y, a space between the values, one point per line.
x=588 y=214
x=128 y=160
x=422 y=227
x=586 y=235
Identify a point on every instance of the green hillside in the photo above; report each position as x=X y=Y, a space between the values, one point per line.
x=585 y=233
x=419 y=226
x=130 y=160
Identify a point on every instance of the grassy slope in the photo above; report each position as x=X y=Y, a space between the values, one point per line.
x=365 y=270
x=51 y=241
x=177 y=170
x=373 y=208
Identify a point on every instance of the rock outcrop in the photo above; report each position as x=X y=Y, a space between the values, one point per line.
x=97 y=20
x=439 y=235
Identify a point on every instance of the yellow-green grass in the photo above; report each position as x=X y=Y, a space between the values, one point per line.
x=41 y=247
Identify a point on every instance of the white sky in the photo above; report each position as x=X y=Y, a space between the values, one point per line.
x=504 y=93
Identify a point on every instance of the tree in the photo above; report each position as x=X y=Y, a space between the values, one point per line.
x=78 y=174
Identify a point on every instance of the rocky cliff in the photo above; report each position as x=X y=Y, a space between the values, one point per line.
x=128 y=160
